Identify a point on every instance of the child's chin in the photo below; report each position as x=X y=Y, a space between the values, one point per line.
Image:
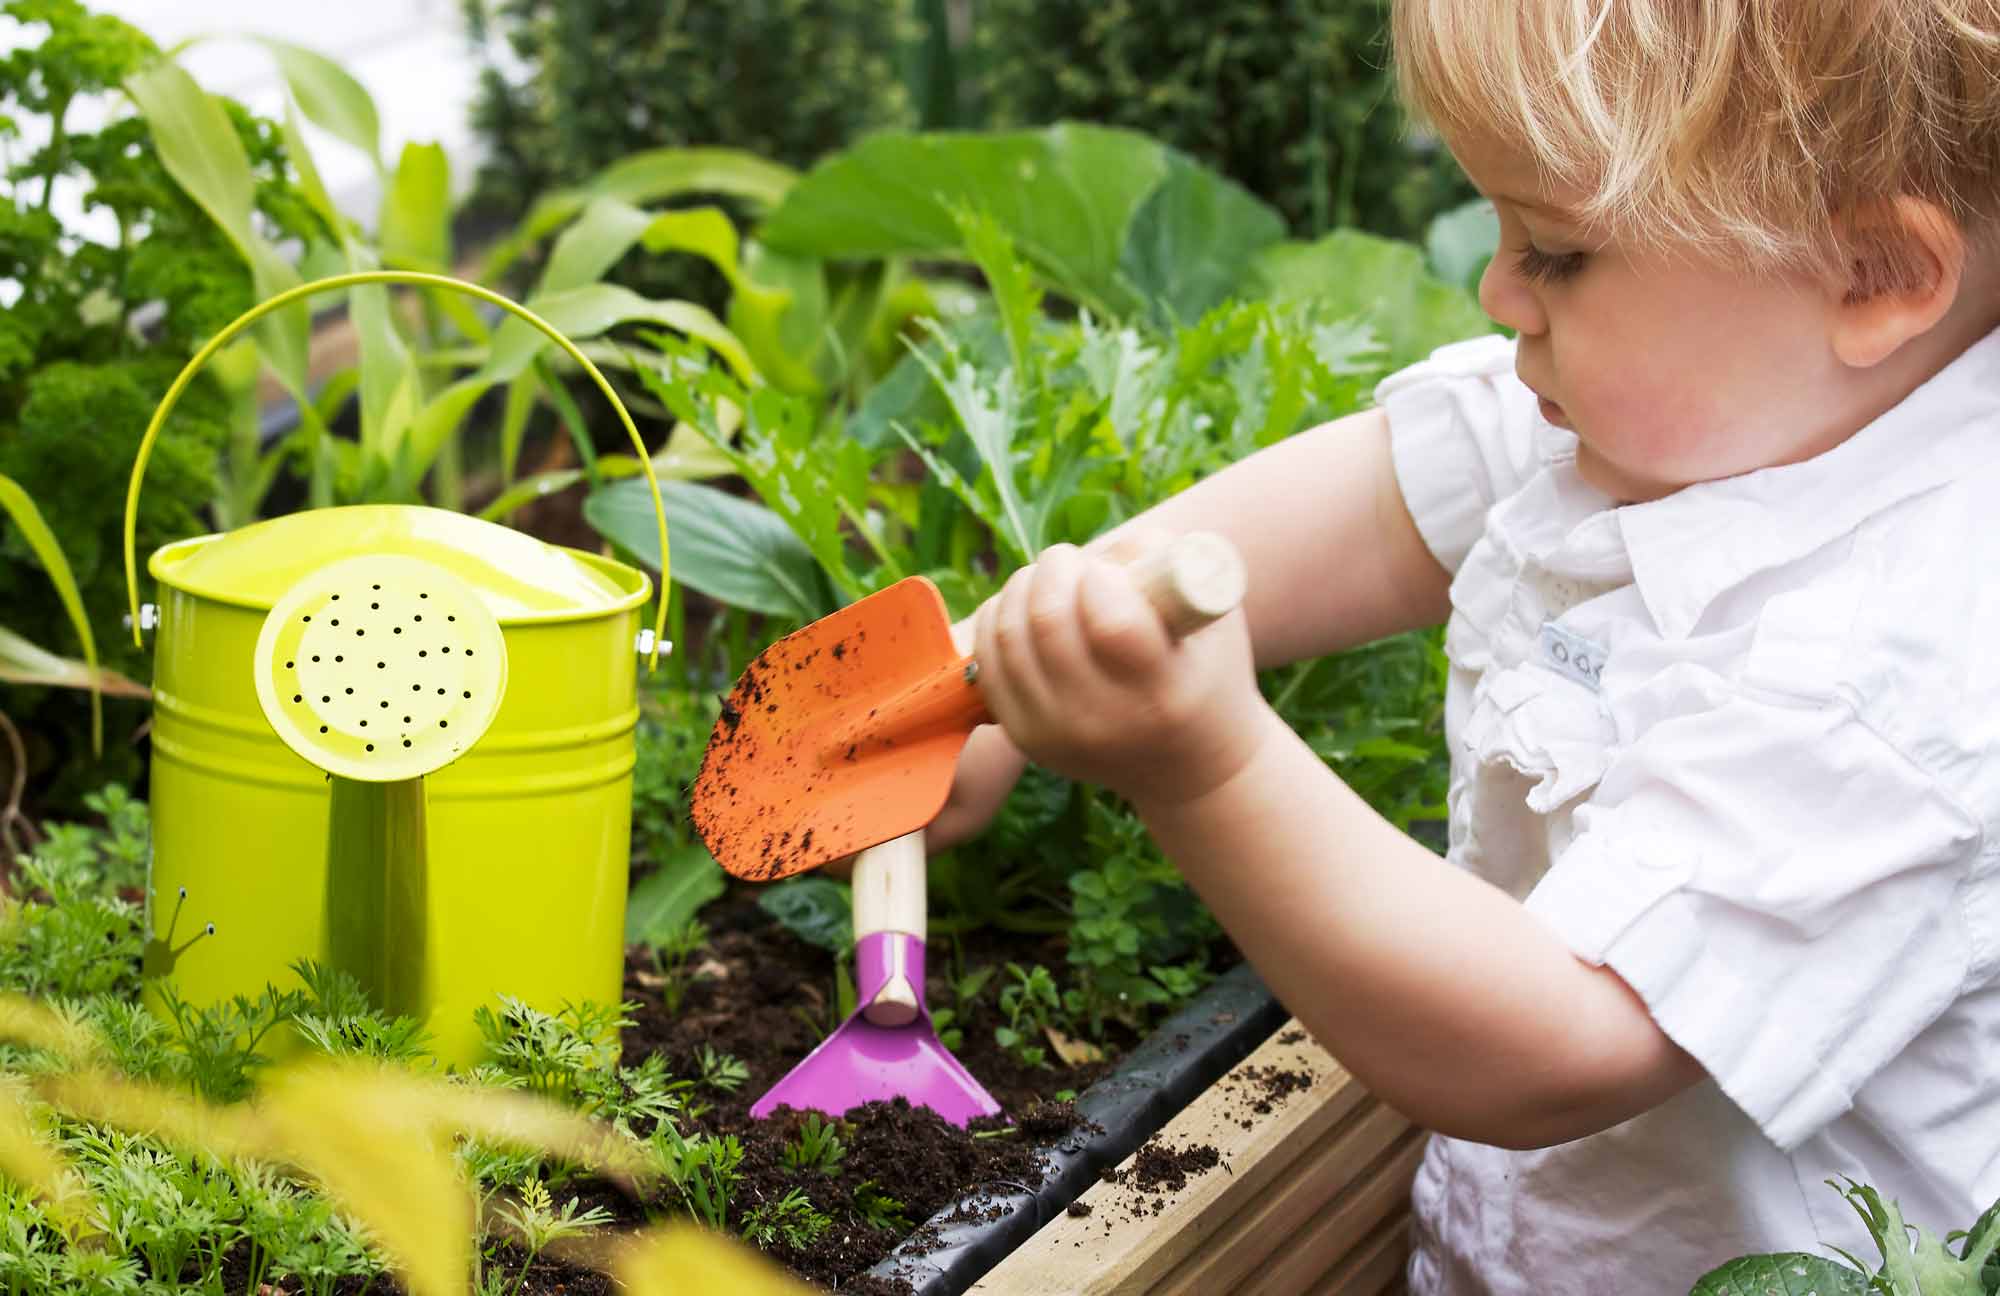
x=1623 y=487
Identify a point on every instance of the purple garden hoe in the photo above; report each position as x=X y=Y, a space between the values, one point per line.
x=888 y=1047
x=842 y=738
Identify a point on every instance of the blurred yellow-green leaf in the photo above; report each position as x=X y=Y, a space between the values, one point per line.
x=21 y=507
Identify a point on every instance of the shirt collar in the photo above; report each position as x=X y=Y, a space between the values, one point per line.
x=1688 y=548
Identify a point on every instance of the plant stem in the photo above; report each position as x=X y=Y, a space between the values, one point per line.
x=12 y=819
x=58 y=150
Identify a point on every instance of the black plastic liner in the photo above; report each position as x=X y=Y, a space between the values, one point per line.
x=1187 y=1054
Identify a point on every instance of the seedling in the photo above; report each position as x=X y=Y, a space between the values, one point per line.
x=721 y=1071
x=553 y=1052
x=702 y=1169
x=878 y=1210
x=535 y=1223
x=671 y=956
x=1031 y=1004
x=965 y=990
x=792 y=1219
x=818 y=1147
x=342 y=1023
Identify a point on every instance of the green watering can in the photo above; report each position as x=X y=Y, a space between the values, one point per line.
x=394 y=739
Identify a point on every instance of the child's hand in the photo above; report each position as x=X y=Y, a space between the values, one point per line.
x=1085 y=678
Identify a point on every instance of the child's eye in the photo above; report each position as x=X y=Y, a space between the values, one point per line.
x=1537 y=266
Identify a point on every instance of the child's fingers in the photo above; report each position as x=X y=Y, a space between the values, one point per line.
x=1009 y=675
x=1131 y=544
x=1053 y=623
x=1123 y=633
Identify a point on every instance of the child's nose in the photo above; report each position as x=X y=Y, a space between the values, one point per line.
x=1508 y=298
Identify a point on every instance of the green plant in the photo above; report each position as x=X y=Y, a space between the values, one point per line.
x=721 y=1071
x=1131 y=918
x=595 y=93
x=340 y=1022
x=83 y=940
x=671 y=953
x=72 y=353
x=965 y=990
x=791 y=1219
x=878 y=1210
x=214 y=1048
x=701 y=1169
x=1295 y=101
x=1031 y=1004
x=534 y=1222
x=1914 y=1261
x=668 y=750
x=1032 y=430
x=554 y=1054
x=572 y=1056
x=817 y=1147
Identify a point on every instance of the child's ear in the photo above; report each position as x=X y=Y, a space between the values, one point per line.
x=1906 y=259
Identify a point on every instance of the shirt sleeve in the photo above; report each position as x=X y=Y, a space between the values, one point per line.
x=1462 y=436
x=1789 y=895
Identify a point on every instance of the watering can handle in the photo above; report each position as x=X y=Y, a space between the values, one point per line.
x=358 y=279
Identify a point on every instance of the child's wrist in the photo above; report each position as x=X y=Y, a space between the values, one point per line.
x=1221 y=753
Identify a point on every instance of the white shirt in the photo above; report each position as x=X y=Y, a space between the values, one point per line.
x=1742 y=746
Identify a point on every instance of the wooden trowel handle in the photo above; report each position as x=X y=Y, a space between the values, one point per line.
x=1191 y=581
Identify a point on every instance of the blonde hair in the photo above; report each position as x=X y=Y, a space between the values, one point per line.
x=1757 y=128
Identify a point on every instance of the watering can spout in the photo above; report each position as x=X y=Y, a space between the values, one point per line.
x=380 y=670
x=377 y=879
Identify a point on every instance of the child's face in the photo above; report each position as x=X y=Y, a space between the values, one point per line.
x=1671 y=369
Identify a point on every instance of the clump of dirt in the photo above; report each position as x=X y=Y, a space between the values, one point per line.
x=1270 y=1086
x=1046 y=1120
x=1161 y=1168
x=1158 y=1171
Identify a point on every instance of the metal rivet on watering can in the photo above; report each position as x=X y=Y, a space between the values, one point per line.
x=377 y=862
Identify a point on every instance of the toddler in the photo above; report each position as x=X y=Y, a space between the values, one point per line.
x=1715 y=535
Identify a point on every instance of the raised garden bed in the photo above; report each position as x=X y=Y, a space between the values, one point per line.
x=1299 y=1149
x=1284 y=1177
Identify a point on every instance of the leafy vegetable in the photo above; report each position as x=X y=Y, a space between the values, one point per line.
x=1914 y=1261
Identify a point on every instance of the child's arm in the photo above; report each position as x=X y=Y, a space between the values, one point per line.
x=1441 y=993
x=1334 y=561
x=1334 y=558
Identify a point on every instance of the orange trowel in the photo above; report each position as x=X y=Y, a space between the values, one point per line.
x=846 y=734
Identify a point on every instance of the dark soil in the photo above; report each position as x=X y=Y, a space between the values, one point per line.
x=765 y=997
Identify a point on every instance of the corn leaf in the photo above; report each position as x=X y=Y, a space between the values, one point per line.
x=21 y=507
x=415 y=227
x=22 y=662
x=596 y=308
x=643 y=178
x=200 y=149
x=330 y=97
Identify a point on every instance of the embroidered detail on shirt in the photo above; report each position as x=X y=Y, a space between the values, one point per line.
x=1571 y=655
